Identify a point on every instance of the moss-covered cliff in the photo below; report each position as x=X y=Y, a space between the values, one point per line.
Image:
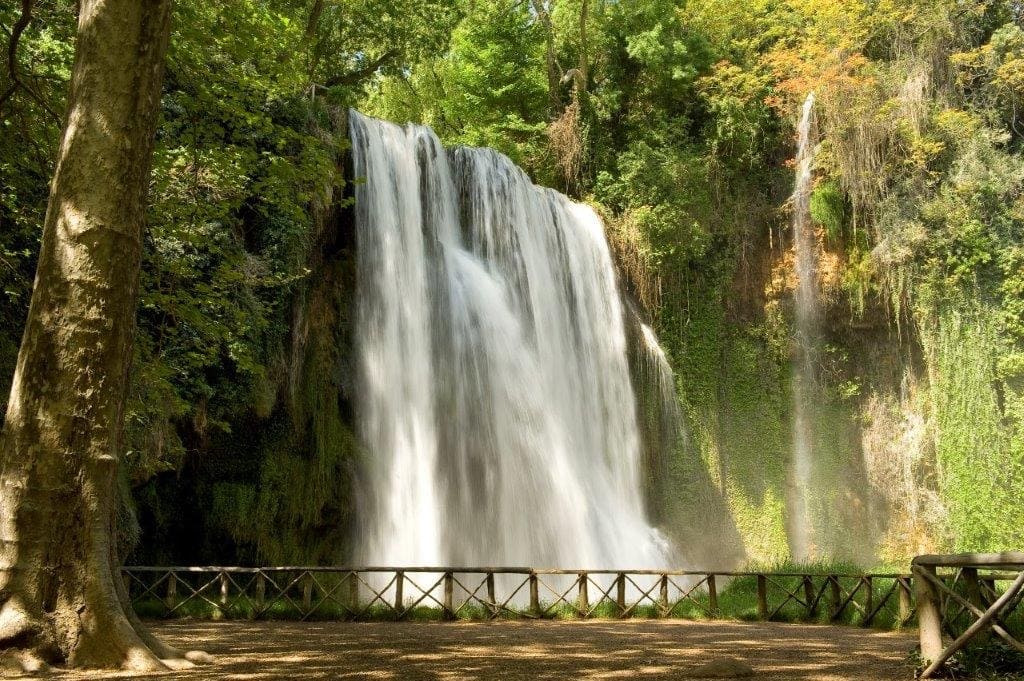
x=276 y=482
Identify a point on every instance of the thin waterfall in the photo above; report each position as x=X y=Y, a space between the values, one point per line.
x=496 y=405
x=660 y=416
x=659 y=371
x=805 y=384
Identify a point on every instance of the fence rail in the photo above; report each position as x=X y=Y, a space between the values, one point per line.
x=362 y=593
x=967 y=598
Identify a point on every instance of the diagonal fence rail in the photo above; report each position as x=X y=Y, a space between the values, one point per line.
x=389 y=593
x=965 y=600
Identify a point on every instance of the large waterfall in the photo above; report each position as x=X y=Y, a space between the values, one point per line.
x=495 y=402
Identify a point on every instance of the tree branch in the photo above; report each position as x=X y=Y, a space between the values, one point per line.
x=313 y=21
x=354 y=77
x=554 y=69
x=12 y=62
x=12 y=49
x=309 y=36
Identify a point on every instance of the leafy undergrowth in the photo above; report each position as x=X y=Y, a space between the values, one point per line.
x=993 y=660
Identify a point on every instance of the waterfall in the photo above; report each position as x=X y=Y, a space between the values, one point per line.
x=805 y=386
x=495 y=404
x=658 y=370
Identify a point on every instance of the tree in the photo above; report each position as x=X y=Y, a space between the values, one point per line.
x=61 y=599
x=543 y=12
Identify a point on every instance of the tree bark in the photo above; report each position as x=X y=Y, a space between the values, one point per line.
x=584 y=47
x=551 y=58
x=61 y=599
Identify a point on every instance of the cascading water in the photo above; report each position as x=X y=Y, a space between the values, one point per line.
x=659 y=371
x=496 y=404
x=807 y=314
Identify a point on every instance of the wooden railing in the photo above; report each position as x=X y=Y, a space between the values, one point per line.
x=490 y=593
x=967 y=597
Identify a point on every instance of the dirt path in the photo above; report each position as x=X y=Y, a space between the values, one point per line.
x=258 y=651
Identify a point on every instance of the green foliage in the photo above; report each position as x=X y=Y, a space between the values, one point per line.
x=828 y=209
x=981 y=466
x=488 y=89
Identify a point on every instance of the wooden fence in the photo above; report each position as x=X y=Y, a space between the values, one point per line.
x=967 y=598
x=489 y=593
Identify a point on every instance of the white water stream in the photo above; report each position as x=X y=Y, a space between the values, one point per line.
x=496 y=404
x=807 y=322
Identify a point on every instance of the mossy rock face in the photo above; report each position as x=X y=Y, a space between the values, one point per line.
x=729 y=332
x=301 y=506
x=275 y=484
x=682 y=498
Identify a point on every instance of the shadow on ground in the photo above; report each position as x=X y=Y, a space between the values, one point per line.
x=257 y=651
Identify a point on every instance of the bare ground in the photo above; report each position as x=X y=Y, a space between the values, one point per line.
x=665 y=649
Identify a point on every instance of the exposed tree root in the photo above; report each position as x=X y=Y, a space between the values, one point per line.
x=30 y=644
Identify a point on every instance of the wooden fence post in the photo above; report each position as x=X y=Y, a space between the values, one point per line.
x=223 y=588
x=307 y=593
x=971 y=585
x=905 y=603
x=929 y=614
x=713 y=596
x=449 y=595
x=353 y=592
x=534 y=594
x=261 y=589
x=620 y=593
x=491 y=598
x=399 y=596
x=974 y=595
x=584 y=599
x=663 y=596
x=835 y=597
x=762 y=597
x=812 y=606
x=869 y=599
x=172 y=590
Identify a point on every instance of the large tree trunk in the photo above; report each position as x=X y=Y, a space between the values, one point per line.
x=60 y=597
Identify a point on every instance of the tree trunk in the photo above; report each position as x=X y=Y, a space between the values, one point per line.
x=551 y=58
x=61 y=599
x=584 y=47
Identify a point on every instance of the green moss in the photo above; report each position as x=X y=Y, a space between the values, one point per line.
x=299 y=509
x=828 y=209
x=981 y=468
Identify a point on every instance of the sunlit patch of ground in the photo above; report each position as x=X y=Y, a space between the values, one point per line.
x=257 y=651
